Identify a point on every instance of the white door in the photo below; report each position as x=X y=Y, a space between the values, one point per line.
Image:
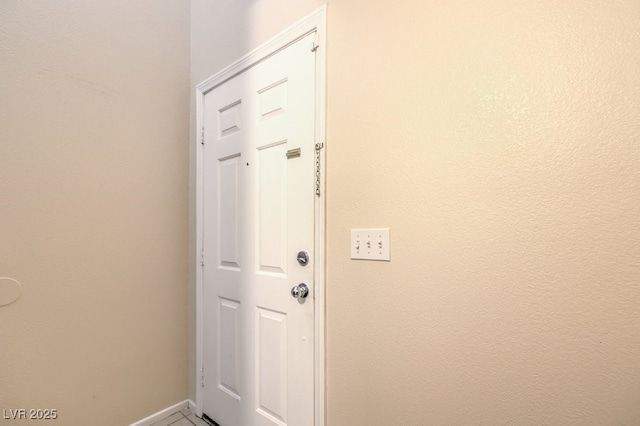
x=259 y=190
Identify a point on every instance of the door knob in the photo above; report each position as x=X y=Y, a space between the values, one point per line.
x=300 y=291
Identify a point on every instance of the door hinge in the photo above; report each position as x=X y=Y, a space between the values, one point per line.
x=202 y=257
x=202 y=376
x=319 y=146
x=202 y=136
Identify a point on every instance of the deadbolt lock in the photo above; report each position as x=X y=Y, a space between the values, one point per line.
x=303 y=258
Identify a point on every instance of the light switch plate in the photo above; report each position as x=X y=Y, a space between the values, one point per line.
x=370 y=244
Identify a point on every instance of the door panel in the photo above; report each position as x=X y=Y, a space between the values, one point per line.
x=228 y=170
x=272 y=209
x=229 y=119
x=258 y=214
x=272 y=364
x=228 y=332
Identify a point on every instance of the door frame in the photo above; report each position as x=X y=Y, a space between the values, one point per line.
x=314 y=22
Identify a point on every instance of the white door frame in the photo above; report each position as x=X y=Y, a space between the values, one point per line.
x=315 y=22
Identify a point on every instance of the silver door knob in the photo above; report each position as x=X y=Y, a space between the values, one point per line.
x=300 y=291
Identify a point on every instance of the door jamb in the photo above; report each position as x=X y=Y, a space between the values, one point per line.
x=312 y=23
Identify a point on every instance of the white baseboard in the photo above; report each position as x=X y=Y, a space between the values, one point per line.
x=147 y=421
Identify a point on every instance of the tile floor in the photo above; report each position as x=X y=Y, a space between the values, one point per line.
x=181 y=418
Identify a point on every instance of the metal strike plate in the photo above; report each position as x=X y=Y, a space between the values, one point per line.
x=293 y=153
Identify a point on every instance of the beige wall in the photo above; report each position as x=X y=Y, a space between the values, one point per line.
x=500 y=142
x=93 y=207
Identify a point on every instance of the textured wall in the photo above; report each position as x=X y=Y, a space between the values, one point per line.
x=93 y=207
x=500 y=142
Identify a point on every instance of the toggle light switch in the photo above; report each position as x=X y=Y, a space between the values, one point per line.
x=370 y=244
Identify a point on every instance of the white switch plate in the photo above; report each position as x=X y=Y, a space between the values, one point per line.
x=370 y=244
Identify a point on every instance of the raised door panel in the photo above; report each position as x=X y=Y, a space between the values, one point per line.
x=271 y=209
x=271 y=360
x=228 y=347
